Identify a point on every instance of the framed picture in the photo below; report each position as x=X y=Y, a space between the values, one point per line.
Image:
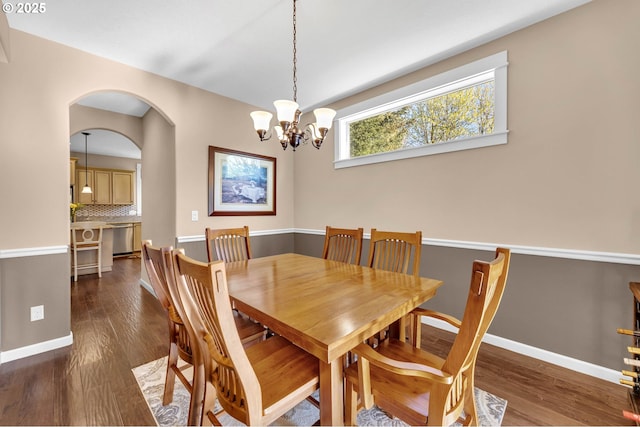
x=241 y=183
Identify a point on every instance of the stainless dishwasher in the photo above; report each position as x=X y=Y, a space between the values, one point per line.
x=122 y=238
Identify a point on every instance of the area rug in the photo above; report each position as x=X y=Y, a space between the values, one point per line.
x=150 y=377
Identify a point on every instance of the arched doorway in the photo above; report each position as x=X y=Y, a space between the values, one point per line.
x=123 y=124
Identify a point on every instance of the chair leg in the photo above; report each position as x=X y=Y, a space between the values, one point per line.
x=416 y=332
x=75 y=266
x=100 y=260
x=350 y=404
x=170 y=378
x=208 y=406
x=470 y=400
x=199 y=393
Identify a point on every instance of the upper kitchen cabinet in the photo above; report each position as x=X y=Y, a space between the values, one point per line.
x=123 y=189
x=73 y=161
x=110 y=187
x=103 y=187
x=100 y=183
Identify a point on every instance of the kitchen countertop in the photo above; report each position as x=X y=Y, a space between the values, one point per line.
x=84 y=224
x=113 y=219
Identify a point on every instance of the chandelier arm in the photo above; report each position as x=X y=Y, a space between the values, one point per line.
x=264 y=136
x=289 y=132
x=315 y=134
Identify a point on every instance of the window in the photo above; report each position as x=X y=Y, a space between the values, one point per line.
x=460 y=109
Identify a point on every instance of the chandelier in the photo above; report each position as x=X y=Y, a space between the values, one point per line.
x=288 y=131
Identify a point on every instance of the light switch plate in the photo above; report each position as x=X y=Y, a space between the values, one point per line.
x=194 y=215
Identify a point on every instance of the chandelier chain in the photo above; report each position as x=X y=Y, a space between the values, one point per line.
x=295 y=78
x=289 y=130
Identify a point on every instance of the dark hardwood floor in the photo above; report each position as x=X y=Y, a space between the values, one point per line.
x=117 y=325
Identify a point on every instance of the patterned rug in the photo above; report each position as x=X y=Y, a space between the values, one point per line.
x=150 y=377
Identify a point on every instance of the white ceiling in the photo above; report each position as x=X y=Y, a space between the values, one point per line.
x=242 y=49
x=105 y=143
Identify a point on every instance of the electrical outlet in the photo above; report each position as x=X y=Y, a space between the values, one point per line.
x=194 y=216
x=37 y=313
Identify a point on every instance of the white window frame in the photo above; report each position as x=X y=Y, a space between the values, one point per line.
x=445 y=82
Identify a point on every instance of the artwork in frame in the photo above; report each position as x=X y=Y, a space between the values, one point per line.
x=241 y=183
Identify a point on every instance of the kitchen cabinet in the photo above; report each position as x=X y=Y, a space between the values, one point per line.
x=102 y=190
x=100 y=183
x=137 y=236
x=123 y=193
x=73 y=161
x=110 y=187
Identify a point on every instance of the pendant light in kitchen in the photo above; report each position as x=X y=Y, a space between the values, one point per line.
x=86 y=189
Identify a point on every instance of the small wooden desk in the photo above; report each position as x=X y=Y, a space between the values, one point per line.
x=324 y=307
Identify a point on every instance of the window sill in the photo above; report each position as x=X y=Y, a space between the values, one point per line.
x=497 y=138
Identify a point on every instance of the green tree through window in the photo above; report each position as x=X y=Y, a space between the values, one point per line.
x=378 y=134
x=458 y=114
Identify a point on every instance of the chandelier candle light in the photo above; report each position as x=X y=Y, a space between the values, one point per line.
x=289 y=115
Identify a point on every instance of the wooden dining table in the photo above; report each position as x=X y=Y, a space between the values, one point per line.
x=324 y=307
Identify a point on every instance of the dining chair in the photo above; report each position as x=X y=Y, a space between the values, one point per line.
x=421 y=388
x=83 y=239
x=158 y=264
x=343 y=244
x=399 y=252
x=228 y=244
x=179 y=342
x=395 y=251
x=255 y=385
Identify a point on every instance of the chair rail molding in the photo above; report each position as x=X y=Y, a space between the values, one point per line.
x=584 y=255
x=25 y=252
x=612 y=257
x=252 y=233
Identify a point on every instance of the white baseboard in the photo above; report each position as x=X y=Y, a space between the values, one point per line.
x=31 y=350
x=148 y=287
x=577 y=365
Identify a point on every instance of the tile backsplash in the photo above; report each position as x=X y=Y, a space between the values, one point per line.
x=105 y=210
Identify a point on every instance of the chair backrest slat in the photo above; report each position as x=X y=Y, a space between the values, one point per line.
x=229 y=244
x=343 y=244
x=395 y=251
x=87 y=235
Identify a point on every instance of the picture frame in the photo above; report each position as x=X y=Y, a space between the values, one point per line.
x=241 y=183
